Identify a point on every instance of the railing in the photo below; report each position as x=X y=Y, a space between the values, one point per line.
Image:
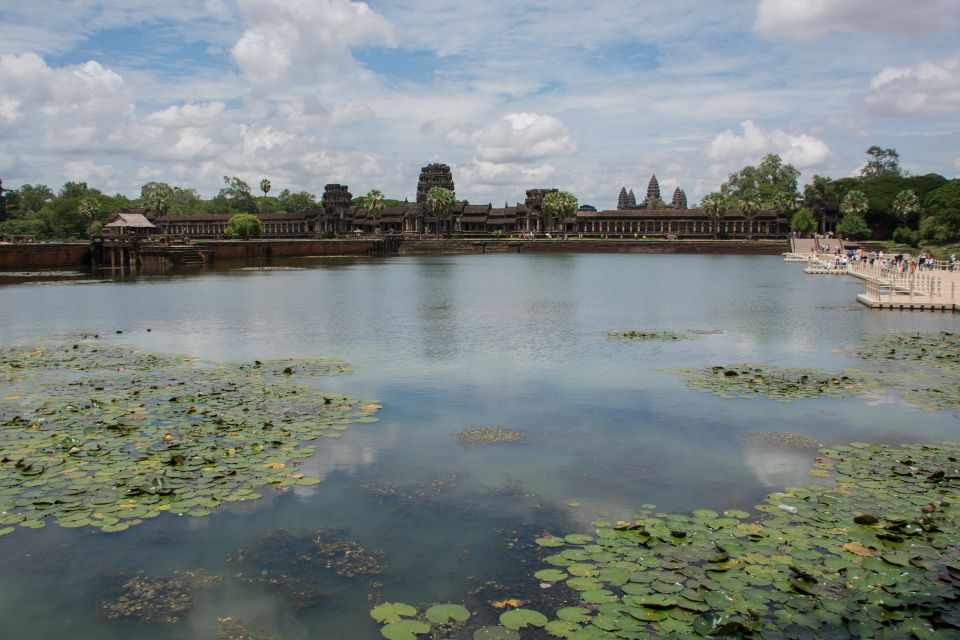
x=892 y=282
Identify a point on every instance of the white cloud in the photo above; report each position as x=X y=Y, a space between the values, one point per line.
x=187 y=115
x=303 y=40
x=928 y=88
x=799 y=149
x=517 y=137
x=807 y=19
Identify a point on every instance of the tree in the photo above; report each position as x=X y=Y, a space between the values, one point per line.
x=750 y=205
x=297 y=202
x=770 y=177
x=244 y=225
x=89 y=210
x=656 y=204
x=440 y=202
x=159 y=202
x=803 y=221
x=74 y=190
x=853 y=226
x=373 y=202
x=265 y=186
x=714 y=205
x=882 y=162
x=785 y=204
x=906 y=205
x=820 y=195
x=236 y=195
x=559 y=204
x=942 y=224
x=854 y=203
x=33 y=197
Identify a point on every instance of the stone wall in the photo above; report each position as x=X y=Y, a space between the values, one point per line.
x=65 y=254
x=243 y=249
x=723 y=247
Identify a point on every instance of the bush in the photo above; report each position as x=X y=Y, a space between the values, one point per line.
x=904 y=235
x=803 y=222
x=244 y=225
x=853 y=226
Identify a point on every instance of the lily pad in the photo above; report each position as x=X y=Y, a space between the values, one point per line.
x=392 y=612
x=404 y=630
x=444 y=613
x=520 y=618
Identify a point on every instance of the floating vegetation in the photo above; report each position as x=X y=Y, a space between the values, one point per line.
x=101 y=435
x=787 y=439
x=403 y=622
x=270 y=269
x=150 y=599
x=40 y=274
x=432 y=487
x=776 y=383
x=941 y=349
x=649 y=336
x=873 y=556
x=296 y=563
x=229 y=628
x=488 y=435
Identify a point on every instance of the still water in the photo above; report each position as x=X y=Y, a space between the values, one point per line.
x=447 y=343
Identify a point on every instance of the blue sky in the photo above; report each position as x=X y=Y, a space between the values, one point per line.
x=587 y=97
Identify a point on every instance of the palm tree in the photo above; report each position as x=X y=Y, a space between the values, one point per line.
x=158 y=202
x=373 y=202
x=855 y=203
x=750 y=205
x=559 y=204
x=440 y=201
x=906 y=205
x=714 y=205
x=265 y=187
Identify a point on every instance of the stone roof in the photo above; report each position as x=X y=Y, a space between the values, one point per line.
x=131 y=221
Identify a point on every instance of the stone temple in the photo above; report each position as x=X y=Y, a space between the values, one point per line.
x=626 y=200
x=434 y=175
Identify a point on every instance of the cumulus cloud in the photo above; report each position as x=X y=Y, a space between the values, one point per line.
x=799 y=149
x=187 y=115
x=496 y=177
x=808 y=19
x=517 y=137
x=297 y=39
x=929 y=88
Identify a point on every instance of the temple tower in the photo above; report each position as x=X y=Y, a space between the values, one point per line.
x=653 y=189
x=622 y=198
x=433 y=175
x=631 y=200
x=679 y=199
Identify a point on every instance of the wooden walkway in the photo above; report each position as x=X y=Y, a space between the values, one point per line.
x=929 y=290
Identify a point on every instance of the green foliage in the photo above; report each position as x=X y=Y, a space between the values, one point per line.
x=882 y=191
x=373 y=203
x=820 y=195
x=750 y=204
x=766 y=180
x=244 y=225
x=440 y=201
x=32 y=198
x=560 y=203
x=853 y=226
x=943 y=207
x=906 y=204
x=74 y=190
x=854 y=203
x=882 y=162
x=803 y=221
x=904 y=235
x=656 y=204
x=265 y=186
x=268 y=204
x=236 y=196
x=297 y=202
x=714 y=205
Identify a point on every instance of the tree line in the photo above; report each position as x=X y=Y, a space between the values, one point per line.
x=882 y=202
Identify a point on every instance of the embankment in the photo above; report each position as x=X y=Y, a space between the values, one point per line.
x=46 y=254
x=723 y=247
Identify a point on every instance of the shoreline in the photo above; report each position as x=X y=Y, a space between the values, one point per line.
x=79 y=254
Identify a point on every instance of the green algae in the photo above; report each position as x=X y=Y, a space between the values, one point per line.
x=95 y=434
x=776 y=383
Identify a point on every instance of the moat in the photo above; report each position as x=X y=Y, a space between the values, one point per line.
x=445 y=344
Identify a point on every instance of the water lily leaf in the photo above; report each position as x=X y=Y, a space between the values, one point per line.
x=444 y=613
x=573 y=614
x=860 y=550
x=392 y=612
x=550 y=575
x=404 y=630
x=520 y=618
x=561 y=629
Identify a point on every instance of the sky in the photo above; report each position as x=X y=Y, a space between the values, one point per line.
x=583 y=96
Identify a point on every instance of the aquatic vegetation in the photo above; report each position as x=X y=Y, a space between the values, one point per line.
x=298 y=563
x=153 y=599
x=649 y=336
x=102 y=435
x=941 y=349
x=873 y=555
x=786 y=439
x=403 y=622
x=776 y=383
x=488 y=435
x=229 y=628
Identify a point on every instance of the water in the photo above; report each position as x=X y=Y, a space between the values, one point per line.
x=447 y=343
